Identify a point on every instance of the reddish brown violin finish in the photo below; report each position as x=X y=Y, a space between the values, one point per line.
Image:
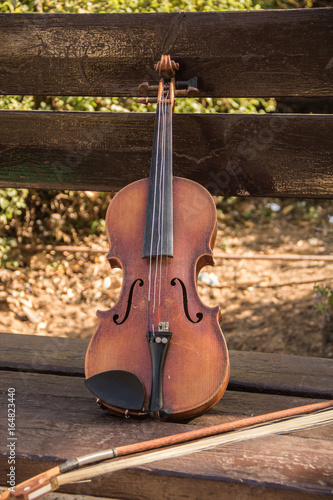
x=196 y=369
x=160 y=338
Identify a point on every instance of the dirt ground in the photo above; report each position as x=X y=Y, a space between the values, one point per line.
x=267 y=306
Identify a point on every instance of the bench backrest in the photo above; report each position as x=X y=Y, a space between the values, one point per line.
x=233 y=54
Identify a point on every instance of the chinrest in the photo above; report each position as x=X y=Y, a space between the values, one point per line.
x=117 y=388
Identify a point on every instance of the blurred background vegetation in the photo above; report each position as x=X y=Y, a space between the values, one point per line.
x=68 y=217
x=31 y=216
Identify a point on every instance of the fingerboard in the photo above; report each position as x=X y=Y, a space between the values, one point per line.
x=158 y=234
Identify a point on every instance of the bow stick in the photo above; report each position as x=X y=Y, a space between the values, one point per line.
x=127 y=456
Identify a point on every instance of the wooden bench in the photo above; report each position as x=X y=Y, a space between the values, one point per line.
x=248 y=54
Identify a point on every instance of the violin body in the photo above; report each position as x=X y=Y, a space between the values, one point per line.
x=159 y=351
x=196 y=365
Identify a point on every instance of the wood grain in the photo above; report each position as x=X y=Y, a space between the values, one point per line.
x=234 y=54
x=140 y=484
x=250 y=371
x=58 y=419
x=197 y=356
x=257 y=155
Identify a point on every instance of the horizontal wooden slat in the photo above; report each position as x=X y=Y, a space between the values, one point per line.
x=257 y=155
x=242 y=54
x=255 y=372
x=56 y=419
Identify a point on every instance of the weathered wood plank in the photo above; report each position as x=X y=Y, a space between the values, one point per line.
x=234 y=54
x=57 y=419
x=256 y=372
x=34 y=353
x=47 y=388
x=258 y=155
x=140 y=484
x=64 y=496
x=273 y=373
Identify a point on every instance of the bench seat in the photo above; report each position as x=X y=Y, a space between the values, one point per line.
x=57 y=418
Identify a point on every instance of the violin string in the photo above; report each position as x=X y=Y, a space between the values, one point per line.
x=162 y=195
x=167 y=220
x=156 y=281
x=159 y=247
x=159 y=212
x=150 y=317
x=167 y=147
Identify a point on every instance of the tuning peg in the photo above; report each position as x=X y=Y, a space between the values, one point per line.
x=145 y=88
x=147 y=100
x=187 y=89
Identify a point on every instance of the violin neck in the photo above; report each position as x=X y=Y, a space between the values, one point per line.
x=158 y=234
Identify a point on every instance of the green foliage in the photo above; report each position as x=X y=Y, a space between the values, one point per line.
x=62 y=216
x=286 y=4
x=17 y=102
x=218 y=105
x=308 y=210
x=12 y=205
x=12 y=201
x=126 y=104
x=323 y=309
x=6 y=258
x=323 y=302
x=98 y=6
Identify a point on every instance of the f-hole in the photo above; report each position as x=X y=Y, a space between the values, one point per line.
x=129 y=303
x=185 y=301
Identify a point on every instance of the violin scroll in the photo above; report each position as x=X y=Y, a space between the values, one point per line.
x=167 y=69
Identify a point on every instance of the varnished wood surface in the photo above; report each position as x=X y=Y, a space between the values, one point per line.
x=234 y=54
x=258 y=155
x=57 y=419
x=250 y=371
x=196 y=366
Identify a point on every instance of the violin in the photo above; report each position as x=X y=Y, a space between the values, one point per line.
x=159 y=351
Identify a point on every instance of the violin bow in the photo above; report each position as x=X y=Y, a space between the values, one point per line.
x=132 y=455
